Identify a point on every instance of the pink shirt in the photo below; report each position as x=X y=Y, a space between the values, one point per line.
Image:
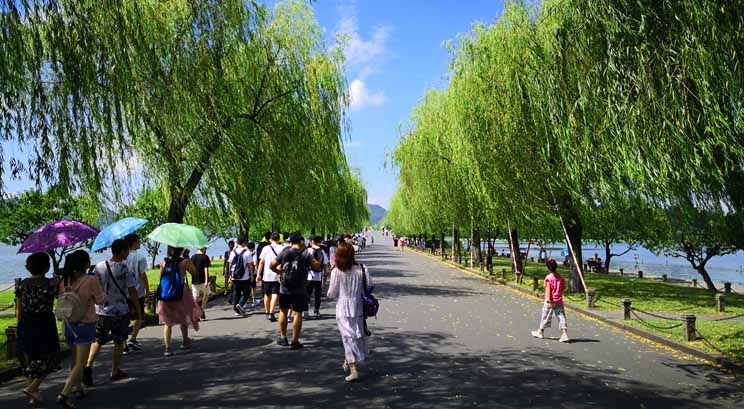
x=90 y=294
x=557 y=286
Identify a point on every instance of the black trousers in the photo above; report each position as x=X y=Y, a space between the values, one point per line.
x=315 y=287
x=241 y=292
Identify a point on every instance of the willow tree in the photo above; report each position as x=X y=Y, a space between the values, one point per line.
x=670 y=78
x=187 y=88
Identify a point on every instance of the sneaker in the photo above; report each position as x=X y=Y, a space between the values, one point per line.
x=88 y=376
x=119 y=376
x=268 y=317
x=237 y=314
x=316 y=315
x=125 y=351
x=289 y=318
x=203 y=316
x=564 y=338
x=134 y=345
x=167 y=352
x=272 y=318
x=538 y=334
x=352 y=377
x=239 y=309
x=296 y=345
x=282 y=342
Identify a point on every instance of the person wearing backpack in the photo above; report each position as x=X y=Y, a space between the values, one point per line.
x=176 y=305
x=348 y=282
x=292 y=265
x=241 y=270
x=78 y=296
x=267 y=277
x=38 y=344
x=120 y=304
x=316 y=277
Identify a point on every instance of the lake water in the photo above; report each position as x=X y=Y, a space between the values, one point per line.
x=722 y=269
x=12 y=265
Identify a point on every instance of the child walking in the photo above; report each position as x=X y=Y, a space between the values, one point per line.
x=554 y=285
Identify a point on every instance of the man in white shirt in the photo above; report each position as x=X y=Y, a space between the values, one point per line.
x=137 y=266
x=268 y=278
x=113 y=320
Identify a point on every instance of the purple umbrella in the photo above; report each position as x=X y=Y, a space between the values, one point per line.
x=62 y=233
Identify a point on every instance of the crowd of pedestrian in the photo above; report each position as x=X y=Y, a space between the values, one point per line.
x=98 y=303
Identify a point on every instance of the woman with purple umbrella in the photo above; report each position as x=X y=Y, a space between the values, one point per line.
x=38 y=343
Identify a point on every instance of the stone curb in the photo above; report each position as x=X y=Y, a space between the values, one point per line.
x=712 y=358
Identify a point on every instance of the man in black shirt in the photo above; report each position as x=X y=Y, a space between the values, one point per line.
x=292 y=265
x=200 y=279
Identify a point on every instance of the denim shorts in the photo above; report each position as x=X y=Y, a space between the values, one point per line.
x=80 y=333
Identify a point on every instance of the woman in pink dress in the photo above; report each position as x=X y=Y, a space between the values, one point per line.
x=183 y=312
x=347 y=281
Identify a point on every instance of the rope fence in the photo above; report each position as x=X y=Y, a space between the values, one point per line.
x=654 y=326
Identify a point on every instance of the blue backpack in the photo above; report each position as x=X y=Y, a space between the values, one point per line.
x=171 y=282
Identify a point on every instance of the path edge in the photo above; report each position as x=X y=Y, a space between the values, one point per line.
x=716 y=360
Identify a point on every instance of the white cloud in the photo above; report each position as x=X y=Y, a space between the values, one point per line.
x=362 y=97
x=358 y=51
x=362 y=57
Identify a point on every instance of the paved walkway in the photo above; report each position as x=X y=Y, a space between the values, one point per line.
x=443 y=339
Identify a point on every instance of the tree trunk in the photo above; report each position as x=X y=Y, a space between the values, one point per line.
x=55 y=260
x=706 y=277
x=574 y=230
x=455 y=245
x=475 y=257
x=514 y=248
x=178 y=204
x=441 y=245
x=608 y=257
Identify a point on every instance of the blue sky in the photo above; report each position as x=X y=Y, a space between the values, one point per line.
x=394 y=55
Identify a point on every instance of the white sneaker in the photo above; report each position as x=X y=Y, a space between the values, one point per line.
x=538 y=334
x=564 y=338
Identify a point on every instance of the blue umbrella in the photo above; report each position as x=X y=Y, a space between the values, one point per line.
x=117 y=230
x=565 y=253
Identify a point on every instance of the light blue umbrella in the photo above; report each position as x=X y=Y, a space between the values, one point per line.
x=565 y=253
x=117 y=230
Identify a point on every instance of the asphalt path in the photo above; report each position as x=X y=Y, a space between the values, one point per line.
x=443 y=339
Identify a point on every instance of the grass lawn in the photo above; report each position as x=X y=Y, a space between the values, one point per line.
x=726 y=336
x=647 y=295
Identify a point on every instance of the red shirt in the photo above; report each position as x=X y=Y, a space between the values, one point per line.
x=557 y=286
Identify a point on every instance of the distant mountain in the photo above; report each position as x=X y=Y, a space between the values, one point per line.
x=377 y=213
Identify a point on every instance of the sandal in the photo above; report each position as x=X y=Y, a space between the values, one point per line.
x=34 y=397
x=64 y=401
x=79 y=394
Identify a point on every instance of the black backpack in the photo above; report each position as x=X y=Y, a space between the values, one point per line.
x=294 y=269
x=239 y=265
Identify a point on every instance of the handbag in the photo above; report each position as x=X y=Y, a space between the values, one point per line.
x=130 y=305
x=370 y=305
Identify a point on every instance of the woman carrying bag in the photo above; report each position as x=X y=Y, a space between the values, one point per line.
x=348 y=282
x=177 y=305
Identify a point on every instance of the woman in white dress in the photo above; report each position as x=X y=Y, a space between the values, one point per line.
x=347 y=281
